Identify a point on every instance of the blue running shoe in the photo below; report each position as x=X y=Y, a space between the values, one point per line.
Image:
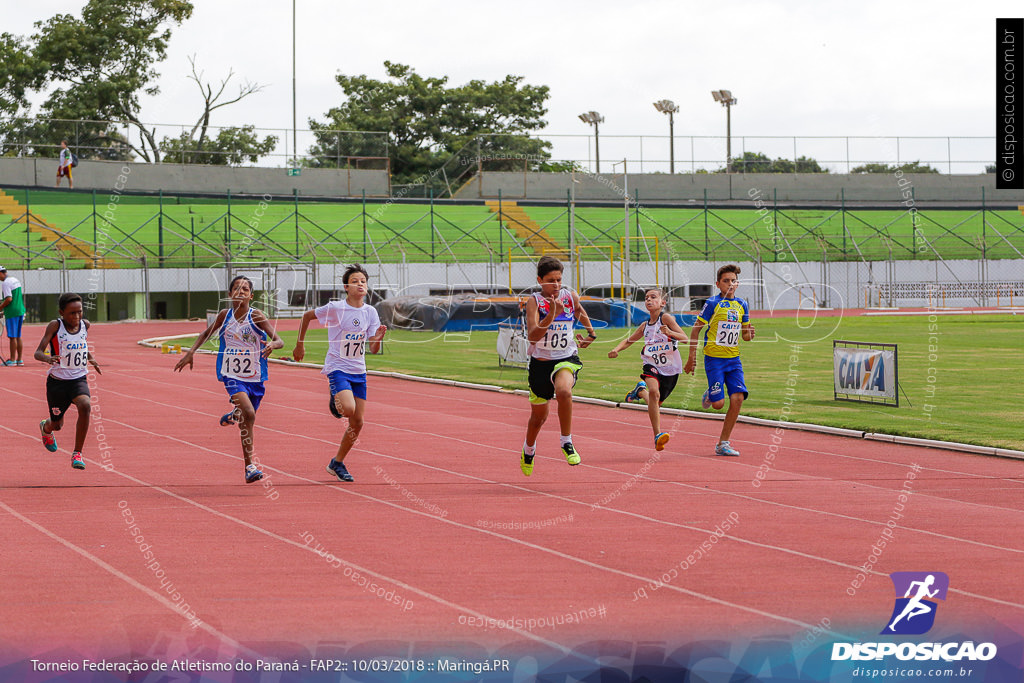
x=252 y=473
x=227 y=419
x=723 y=448
x=339 y=470
x=49 y=440
x=76 y=461
x=634 y=395
x=705 y=402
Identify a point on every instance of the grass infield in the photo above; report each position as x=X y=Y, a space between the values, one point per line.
x=968 y=356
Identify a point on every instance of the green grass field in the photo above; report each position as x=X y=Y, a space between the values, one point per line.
x=969 y=364
x=399 y=231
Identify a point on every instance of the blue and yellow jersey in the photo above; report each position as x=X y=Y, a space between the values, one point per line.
x=724 y=320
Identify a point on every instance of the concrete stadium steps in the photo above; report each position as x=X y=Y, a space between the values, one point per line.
x=71 y=246
x=528 y=230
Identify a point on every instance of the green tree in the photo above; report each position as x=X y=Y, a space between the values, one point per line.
x=750 y=162
x=94 y=68
x=425 y=125
x=909 y=167
x=756 y=162
x=104 y=60
x=232 y=146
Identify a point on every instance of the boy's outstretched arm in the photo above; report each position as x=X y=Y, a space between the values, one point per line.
x=299 y=352
x=671 y=329
x=40 y=354
x=263 y=322
x=633 y=337
x=691 y=360
x=583 y=319
x=375 y=340
x=207 y=333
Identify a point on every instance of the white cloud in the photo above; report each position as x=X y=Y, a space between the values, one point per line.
x=798 y=68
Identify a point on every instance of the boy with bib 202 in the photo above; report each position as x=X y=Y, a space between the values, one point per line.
x=727 y=320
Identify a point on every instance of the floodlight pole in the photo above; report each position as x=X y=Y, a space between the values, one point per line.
x=574 y=268
x=725 y=98
x=669 y=107
x=624 y=271
x=728 y=136
x=671 y=146
x=597 y=148
x=295 y=144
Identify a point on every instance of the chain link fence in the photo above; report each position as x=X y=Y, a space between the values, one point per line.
x=171 y=256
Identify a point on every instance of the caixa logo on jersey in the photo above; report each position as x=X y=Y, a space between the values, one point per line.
x=914 y=613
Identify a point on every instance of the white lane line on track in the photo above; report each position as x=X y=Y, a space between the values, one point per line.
x=694 y=487
x=874 y=461
x=429 y=515
x=114 y=571
x=348 y=491
x=797 y=475
x=266 y=532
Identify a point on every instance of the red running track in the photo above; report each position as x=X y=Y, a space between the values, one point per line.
x=441 y=522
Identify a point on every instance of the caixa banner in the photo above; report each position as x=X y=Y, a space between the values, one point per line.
x=863 y=371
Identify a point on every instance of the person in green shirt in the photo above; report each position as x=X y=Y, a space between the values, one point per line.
x=12 y=305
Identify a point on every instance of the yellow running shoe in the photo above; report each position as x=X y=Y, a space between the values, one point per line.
x=526 y=463
x=660 y=440
x=571 y=456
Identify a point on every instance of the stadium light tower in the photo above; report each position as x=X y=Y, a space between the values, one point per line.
x=295 y=142
x=593 y=118
x=669 y=107
x=727 y=100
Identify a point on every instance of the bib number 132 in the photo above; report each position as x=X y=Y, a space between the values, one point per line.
x=239 y=366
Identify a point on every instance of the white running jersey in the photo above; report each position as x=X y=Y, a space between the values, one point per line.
x=73 y=351
x=240 y=354
x=559 y=341
x=660 y=350
x=348 y=330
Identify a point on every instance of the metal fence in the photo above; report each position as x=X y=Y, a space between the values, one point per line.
x=973 y=256
x=643 y=153
x=119 y=140
x=44 y=229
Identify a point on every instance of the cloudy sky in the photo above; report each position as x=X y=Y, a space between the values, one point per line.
x=819 y=69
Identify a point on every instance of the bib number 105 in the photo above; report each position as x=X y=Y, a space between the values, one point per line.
x=556 y=338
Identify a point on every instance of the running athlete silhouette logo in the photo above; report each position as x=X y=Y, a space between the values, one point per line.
x=914 y=613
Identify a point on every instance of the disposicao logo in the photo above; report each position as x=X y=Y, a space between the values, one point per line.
x=914 y=612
